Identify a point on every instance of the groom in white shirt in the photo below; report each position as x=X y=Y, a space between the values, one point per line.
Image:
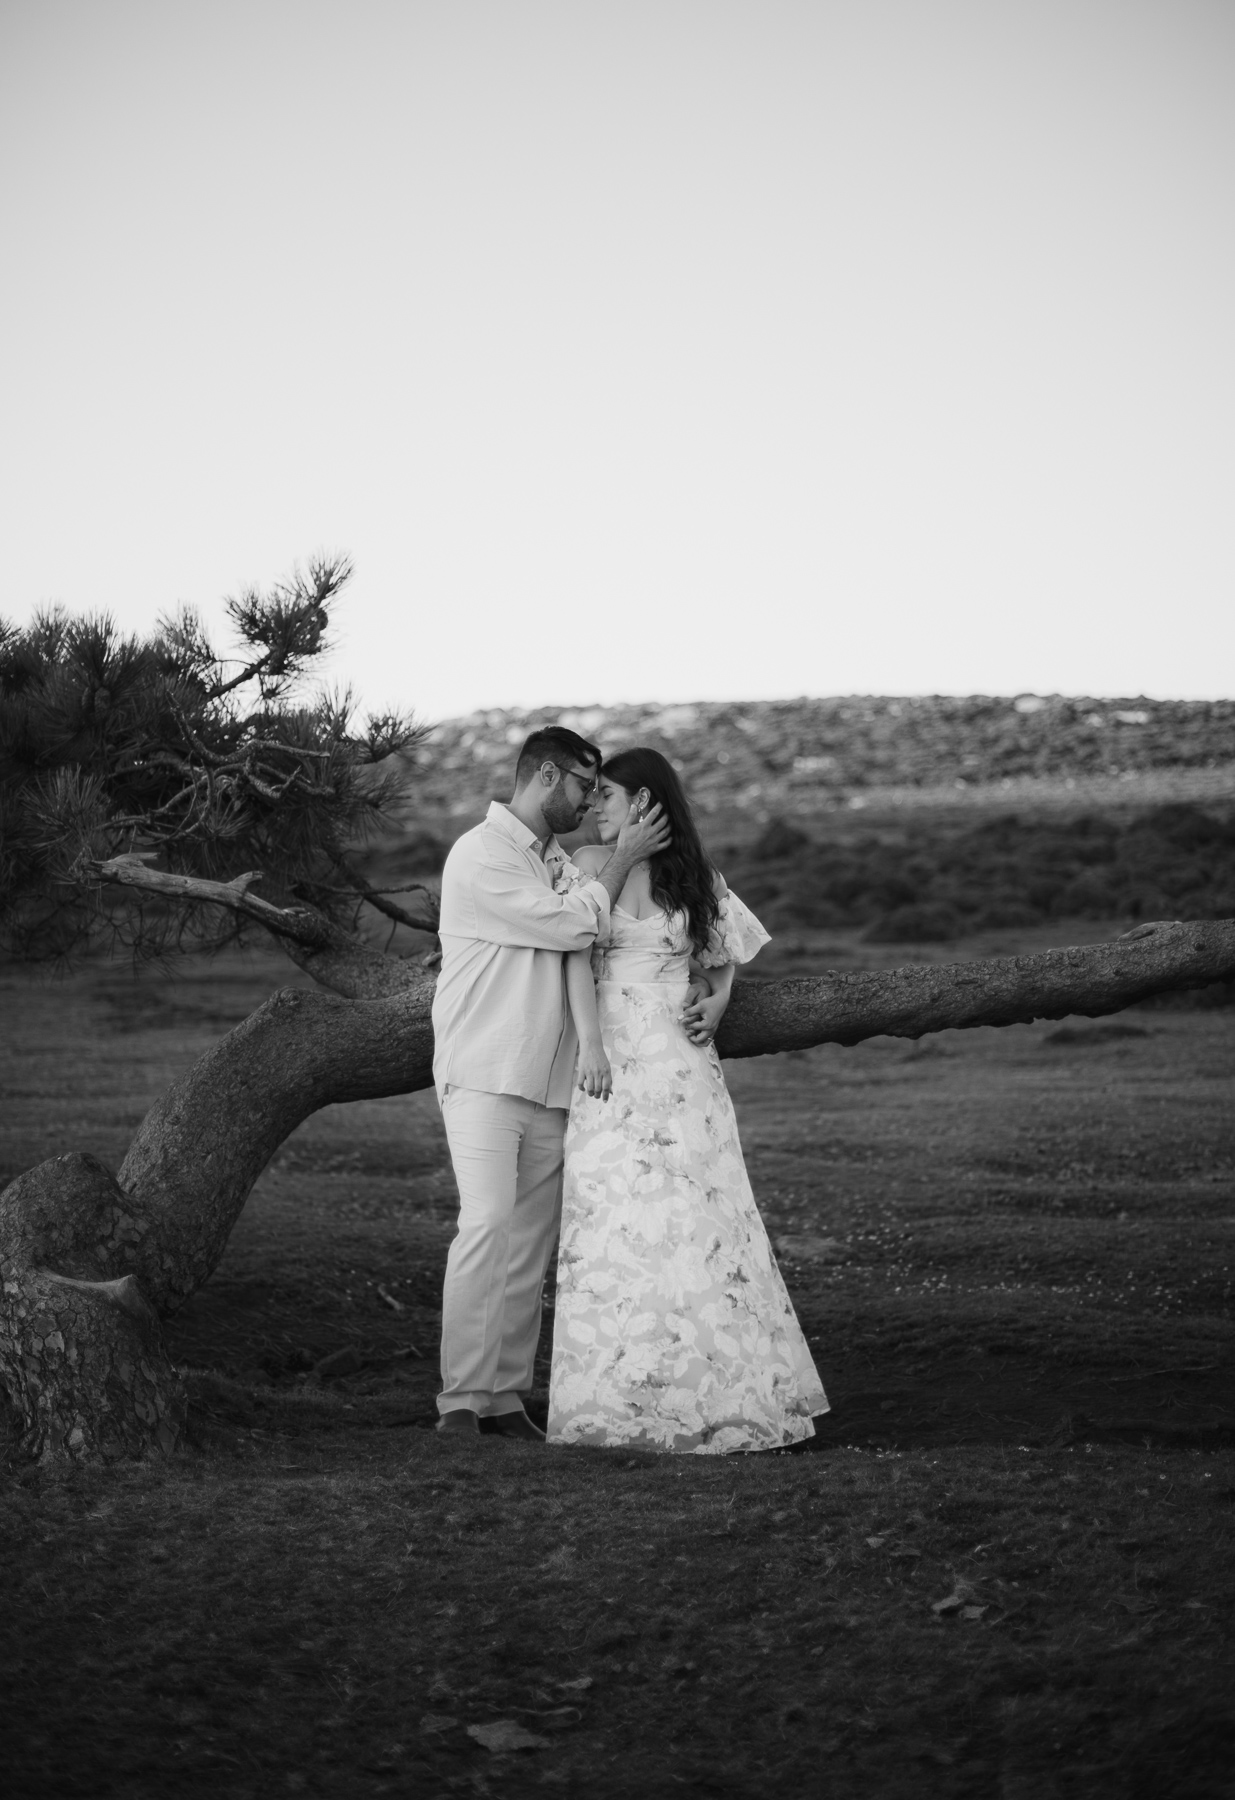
x=503 y=1064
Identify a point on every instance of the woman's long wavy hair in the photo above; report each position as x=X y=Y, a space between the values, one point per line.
x=681 y=876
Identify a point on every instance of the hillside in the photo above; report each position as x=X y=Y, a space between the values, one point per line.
x=907 y=820
x=766 y=758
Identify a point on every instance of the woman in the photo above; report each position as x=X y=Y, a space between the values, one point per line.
x=673 y=1329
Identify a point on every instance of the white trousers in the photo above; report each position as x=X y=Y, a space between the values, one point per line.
x=507 y=1156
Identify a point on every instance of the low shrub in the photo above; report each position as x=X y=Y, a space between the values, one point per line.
x=925 y=924
x=921 y=879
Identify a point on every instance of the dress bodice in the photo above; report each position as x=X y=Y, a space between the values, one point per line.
x=658 y=948
x=634 y=950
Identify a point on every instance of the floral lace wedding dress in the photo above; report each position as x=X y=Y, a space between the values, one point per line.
x=673 y=1328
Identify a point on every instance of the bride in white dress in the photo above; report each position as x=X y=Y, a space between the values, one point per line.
x=673 y=1329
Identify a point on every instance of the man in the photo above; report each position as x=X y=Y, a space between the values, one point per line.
x=504 y=1062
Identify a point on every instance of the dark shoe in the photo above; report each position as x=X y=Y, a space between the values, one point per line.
x=460 y=1422
x=516 y=1425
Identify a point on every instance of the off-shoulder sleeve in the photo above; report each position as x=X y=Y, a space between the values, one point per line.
x=736 y=936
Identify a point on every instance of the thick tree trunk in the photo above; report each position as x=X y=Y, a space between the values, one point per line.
x=201 y=1147
x=88 y=1263
x=924 y=997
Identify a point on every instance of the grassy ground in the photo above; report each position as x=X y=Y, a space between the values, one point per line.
x=1004 y=1569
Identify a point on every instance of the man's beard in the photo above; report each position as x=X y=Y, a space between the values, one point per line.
x=560 y=814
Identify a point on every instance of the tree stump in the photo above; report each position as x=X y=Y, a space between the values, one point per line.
x=81 y=1347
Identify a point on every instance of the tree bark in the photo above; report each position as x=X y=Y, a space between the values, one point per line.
x=81 y=1349
x=200 y=1148
x=89 y=1263
x=765 y=1017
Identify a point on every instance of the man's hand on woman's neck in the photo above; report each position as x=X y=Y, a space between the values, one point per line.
x=637 y=840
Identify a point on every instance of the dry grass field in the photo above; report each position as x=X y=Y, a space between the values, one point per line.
x=1004 y=1570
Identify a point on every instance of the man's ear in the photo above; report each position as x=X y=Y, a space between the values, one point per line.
x=550 y=774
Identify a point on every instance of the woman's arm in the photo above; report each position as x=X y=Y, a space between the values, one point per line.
x=710 y=990
x=593 y=1074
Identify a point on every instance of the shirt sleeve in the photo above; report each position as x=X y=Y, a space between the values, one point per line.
x=514 y=907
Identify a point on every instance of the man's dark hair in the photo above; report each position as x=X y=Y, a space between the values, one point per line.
x=553 y=743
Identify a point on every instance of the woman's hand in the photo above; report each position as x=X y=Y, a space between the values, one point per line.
x=595 y=1077
x=702 y=1019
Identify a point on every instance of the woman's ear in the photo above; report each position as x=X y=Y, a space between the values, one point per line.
x=643 y=799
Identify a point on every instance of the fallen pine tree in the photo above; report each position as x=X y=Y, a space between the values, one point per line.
x=146 y=791
x=91 y=1261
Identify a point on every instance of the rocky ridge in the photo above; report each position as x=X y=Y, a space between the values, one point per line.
x=782 y=757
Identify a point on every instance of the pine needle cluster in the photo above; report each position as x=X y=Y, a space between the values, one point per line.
x=160 y=748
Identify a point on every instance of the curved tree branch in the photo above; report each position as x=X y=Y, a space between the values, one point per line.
x=300 y=924
x=425 y=920
x=333 y=957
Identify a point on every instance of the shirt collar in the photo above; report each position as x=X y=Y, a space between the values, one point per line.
x=499 y=814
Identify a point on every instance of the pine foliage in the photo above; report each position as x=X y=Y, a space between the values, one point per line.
x=161 y=748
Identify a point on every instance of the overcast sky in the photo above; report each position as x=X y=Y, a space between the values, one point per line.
x=670 y=350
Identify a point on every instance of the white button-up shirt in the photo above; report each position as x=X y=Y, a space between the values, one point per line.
x=501 y=1022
